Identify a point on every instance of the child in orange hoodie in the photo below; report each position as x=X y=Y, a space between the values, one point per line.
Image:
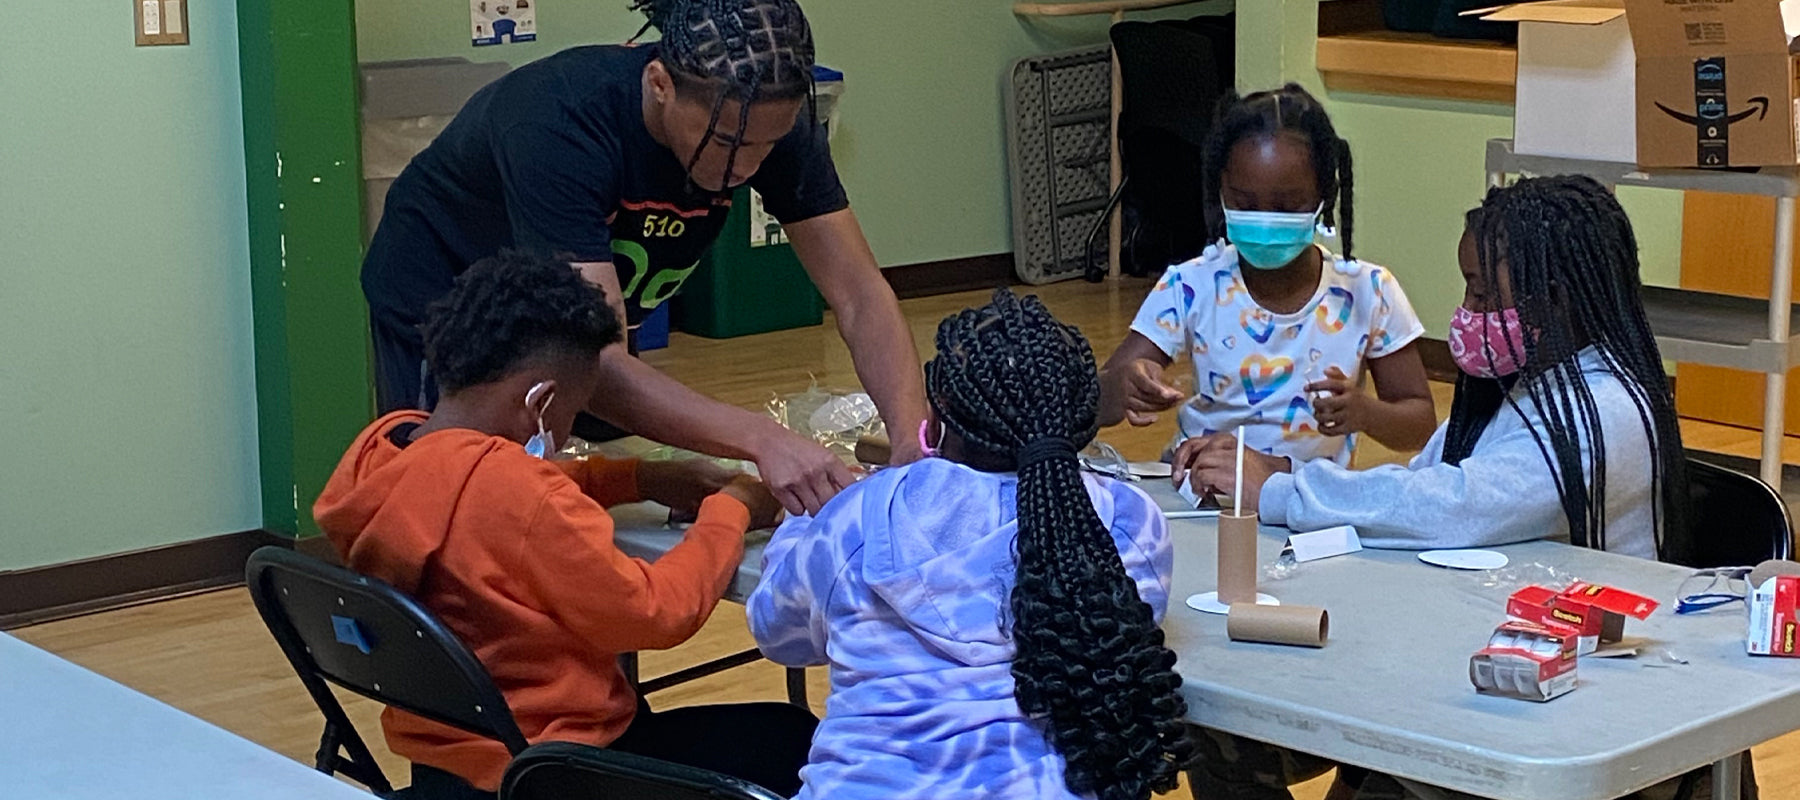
x=516 y=554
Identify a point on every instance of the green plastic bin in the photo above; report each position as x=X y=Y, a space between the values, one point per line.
x=738 y=289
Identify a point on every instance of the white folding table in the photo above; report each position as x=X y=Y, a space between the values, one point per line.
x=69 y=734
x=1390 y=690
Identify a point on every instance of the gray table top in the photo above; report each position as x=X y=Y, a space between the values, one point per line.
x=1390 y=691
x=642 y=531
x=70 y=734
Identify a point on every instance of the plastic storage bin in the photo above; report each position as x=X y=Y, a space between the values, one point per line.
x=745 y=284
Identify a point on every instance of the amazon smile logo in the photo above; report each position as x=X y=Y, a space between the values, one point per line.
x=1712 y=113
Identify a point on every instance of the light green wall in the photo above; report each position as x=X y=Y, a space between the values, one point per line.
x=125 y=356
x=921 y=146
x=392 y=30
x=1418 y=164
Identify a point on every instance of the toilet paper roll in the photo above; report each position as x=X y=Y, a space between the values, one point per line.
x=874 y=449
x=1304 y=626
x=1237 y=558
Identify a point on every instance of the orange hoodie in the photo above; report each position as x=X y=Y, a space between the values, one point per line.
x=516 y=555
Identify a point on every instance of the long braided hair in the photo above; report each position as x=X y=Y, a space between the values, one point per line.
x=743 y=50
x=1572 y=259
x=1267 y=114
x=1019 y=388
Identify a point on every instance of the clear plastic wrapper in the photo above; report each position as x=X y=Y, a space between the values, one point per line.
x=1283 y=568
x=1104 y=459
x=834 y=419
x=1497 y=585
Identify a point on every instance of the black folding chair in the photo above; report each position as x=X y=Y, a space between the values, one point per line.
x=1172 y=74
x=567 y=771
x=1734 y=520
x=628 y=662
x=365 y=636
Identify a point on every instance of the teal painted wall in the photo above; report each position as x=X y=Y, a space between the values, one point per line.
x=1419 y=164
x=921 y=146
x=125 y=354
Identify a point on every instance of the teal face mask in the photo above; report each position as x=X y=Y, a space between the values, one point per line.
x=1270 y=239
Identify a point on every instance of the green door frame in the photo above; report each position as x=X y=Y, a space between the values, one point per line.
x=303 y=160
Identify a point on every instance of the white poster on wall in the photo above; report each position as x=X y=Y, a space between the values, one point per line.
x=502 y=21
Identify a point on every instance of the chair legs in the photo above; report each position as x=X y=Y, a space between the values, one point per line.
x=796 y=687
x=1095 y=273
x=359 y=766
x=628 y=662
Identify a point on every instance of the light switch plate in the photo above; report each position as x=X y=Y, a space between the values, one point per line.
x=160 y=22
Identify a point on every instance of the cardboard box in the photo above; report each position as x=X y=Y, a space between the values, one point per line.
x=1664 y=83
x=1597 y=613
x=1773 y=623
x=1526 y=660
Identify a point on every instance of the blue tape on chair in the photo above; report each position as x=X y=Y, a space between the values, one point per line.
x=350 y=633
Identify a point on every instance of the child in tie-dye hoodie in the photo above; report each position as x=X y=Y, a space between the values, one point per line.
x=989 y=614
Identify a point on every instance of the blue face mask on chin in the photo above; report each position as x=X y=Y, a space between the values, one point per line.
x=1270 y=239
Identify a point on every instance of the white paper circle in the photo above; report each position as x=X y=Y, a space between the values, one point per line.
x=1209 y=602
x=1464 y=559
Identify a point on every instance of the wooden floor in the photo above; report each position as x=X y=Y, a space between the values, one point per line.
x=209 y=655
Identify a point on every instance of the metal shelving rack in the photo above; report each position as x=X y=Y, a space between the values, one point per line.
x=1702 y=327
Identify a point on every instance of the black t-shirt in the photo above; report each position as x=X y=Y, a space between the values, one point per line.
x=554 y=157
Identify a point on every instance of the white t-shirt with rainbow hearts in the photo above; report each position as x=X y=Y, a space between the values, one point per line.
x=1251 y=365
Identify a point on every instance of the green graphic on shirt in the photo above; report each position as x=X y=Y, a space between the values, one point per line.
x=665 y=285
x=631 y=253
x=662 y=286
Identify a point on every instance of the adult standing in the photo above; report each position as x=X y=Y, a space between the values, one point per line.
x=623 y=159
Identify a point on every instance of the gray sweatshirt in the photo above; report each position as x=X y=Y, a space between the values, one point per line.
x=1502 y=493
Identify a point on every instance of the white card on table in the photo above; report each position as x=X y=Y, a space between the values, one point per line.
x=1187 y=491
x=1313 y=546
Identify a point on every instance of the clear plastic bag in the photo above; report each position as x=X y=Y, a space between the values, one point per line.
x=1515 y=576
x=835 y=419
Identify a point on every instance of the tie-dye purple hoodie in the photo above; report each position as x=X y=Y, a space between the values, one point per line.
x=902 y=584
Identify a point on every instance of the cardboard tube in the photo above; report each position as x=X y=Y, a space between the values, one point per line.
x=874 y=450
x=1304 y=626
x=1237 y=558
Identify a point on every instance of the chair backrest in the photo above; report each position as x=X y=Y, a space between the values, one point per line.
x=1734 y=519
x=1172 y=74
x=374 y=640
x=568 y=771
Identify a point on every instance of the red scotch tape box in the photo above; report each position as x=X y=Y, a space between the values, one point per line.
x=1597 y=612
x=1773 y=615
x=1526 y=660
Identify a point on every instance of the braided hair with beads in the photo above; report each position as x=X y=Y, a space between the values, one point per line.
x=1020 y=390
x=1571 y=257
x=742 y=50
x=1290 y=109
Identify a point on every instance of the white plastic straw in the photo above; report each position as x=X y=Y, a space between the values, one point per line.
x=1237 y=488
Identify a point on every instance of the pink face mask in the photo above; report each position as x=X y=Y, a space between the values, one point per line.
x=1483 y=344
